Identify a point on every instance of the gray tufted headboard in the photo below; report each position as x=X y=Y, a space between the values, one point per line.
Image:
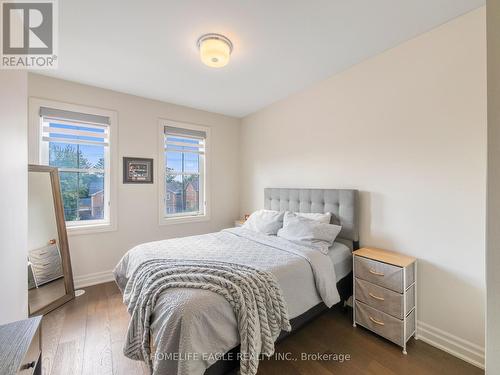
x=342 y=203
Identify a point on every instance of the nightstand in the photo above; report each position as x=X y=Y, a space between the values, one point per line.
x=21 y=347
x=384 y=294
x=239 y=222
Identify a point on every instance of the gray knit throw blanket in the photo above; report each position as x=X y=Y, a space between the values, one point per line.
x=254 y=295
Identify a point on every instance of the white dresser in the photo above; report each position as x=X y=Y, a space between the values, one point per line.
x=46 y=264
x=384 y=294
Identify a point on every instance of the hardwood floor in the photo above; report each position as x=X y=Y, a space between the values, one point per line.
x=85 y=336
x=40 y=297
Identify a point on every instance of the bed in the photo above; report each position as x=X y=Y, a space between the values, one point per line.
x=200 y=326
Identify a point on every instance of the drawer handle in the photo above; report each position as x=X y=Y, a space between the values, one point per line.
x=371 y=270
x=377 y=321
x=376 y=297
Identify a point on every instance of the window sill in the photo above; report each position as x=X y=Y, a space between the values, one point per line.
x=183 y=219
x=90 y=229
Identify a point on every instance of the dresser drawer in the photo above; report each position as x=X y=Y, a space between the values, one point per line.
x=32 y=356
x=384 y=299
x=46 y=264
x=382 y=274
x=383 y=324
x=43 y=254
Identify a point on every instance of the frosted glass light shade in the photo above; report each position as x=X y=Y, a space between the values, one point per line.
x=215 y=50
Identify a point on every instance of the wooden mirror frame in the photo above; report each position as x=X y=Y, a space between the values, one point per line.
x=63 y=240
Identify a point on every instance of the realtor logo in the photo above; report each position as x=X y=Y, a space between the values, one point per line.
x=28 y=34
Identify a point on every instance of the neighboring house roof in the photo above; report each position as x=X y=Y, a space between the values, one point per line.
x=97 y=193
x=176 y=187
x=174 y=190
x=95 y=187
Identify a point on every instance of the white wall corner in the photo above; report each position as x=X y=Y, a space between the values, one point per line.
x=454 y=345
x=14 y=196
x=93 y=279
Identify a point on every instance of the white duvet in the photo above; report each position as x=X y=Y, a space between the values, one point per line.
x=192 y=328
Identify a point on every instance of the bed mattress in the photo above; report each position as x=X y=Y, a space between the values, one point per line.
x=341 y=257
x=194 y=323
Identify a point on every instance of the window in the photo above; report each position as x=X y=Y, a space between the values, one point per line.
x=78 y=144
x=183 y=191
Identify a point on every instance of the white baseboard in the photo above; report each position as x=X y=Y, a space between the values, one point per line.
x=452 y=344
x=93 y=279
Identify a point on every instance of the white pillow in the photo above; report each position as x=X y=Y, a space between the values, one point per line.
x=265 y=221
x=309 y=232
x=322 y=218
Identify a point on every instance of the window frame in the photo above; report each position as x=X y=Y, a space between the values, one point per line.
x=111 y=167
x=204 y=188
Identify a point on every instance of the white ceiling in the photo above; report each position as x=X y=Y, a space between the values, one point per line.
x=148 y=48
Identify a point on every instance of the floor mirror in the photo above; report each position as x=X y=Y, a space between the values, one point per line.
x=50 y=278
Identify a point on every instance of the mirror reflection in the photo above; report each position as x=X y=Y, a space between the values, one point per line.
x=46 y=281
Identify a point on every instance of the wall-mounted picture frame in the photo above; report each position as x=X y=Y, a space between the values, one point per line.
x=137 y=170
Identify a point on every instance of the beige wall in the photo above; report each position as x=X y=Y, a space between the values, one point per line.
x=13 y=196
x=94 y=255
x=408 y=129
x=493 y=197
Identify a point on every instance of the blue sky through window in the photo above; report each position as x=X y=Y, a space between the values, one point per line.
x=174 y=161
x=173 y=158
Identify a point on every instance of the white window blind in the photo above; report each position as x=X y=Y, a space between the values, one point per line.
x=73 y=127
x=184 y=140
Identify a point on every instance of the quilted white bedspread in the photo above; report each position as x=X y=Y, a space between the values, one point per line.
x=192 y=328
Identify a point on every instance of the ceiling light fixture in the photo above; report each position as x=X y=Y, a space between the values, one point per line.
x=215 y=50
